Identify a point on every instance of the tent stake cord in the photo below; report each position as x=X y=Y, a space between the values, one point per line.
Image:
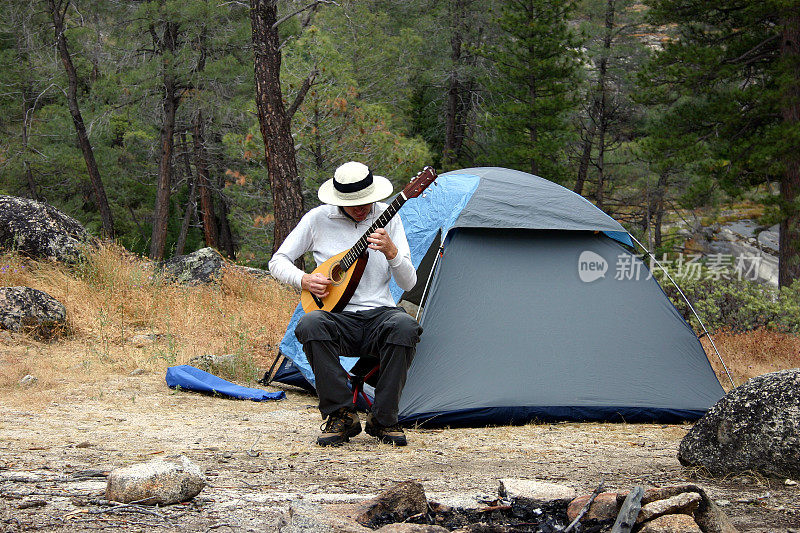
x=685 y=299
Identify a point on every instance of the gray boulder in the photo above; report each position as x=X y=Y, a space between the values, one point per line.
x=202 y=266
x=41 y=231
x=756 y=426
x=155 y=482
x=31 y=311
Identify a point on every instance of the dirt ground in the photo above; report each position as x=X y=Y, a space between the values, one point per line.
x=54 y=455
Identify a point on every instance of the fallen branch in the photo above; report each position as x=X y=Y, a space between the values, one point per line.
x=413 y=517
x=493 y=508
x=585 y=509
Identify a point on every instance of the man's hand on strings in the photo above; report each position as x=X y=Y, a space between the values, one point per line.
x=381 y=241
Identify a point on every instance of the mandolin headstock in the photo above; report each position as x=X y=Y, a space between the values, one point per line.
x=420 y=183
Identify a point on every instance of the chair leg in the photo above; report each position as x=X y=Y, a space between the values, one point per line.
x=358 y=386
x=366 y=398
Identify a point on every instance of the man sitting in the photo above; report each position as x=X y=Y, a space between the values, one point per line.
x=371 y=325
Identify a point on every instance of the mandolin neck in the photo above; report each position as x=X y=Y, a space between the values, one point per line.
x=358 y=248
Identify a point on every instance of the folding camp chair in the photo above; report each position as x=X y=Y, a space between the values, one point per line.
x=364 y=371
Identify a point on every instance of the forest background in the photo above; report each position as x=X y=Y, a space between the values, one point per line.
x=171 y=125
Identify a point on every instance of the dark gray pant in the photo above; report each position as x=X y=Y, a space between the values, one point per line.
x=388 y=334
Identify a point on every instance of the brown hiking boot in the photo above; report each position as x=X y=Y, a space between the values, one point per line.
x=388 y=434
x=339 y=427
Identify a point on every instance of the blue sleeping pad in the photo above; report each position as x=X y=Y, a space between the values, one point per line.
x=193 y=379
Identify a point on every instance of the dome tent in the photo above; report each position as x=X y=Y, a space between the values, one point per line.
x=536 y=308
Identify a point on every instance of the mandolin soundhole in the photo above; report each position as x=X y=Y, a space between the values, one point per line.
x=336 y=274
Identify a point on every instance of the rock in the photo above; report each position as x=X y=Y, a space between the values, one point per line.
x=28 y=381
x=41 y=231
x=412 y=528
x=711 y=518
x=738 y=239
x=32 y=311
x=604 y=507
x=307 y=517
x=155 y=482
x=394 y=505
x=211 y=362
x=756 y=427
x=665 y=493
x=251 y=271
x=140 y=341
x=673 y=523
x=790 y=482
x=684 y=503
x=137 y=372
x=531 y=489
x=202 y=266
x=708 y=515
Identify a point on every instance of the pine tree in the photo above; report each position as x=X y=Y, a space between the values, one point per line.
x=738 y=64
x=536 y=59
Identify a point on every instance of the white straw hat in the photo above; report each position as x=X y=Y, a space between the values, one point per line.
x=354 y=184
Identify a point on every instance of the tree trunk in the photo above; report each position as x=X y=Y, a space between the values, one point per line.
x=789 y=241
x=583 y=166
x=170 y=105
x=454 y=90
x=599 y=193
x=451 y=117
x=602 y=111
x=287 y=193
x=461 y=83
x=225 y=235
x=661 y=192
x=25 y=163
x=187 y=217
x=57 y=12
x=532 y=125
x=191 y=206
x=206 y=199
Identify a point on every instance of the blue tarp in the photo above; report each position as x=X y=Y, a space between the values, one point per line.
x=193 y=379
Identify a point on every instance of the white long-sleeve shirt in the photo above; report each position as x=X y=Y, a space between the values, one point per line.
x=327 y=231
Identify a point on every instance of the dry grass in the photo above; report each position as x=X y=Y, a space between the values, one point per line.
x=752 y=353
x=115 y=296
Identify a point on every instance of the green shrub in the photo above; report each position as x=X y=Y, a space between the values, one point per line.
x=734 y=304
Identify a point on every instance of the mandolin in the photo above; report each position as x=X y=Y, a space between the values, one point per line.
x=346 y=268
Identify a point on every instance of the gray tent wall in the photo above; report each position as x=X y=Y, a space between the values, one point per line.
x=512 y=332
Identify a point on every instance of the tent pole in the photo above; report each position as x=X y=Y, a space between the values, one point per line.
x=430 y=276
x=685 y=299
